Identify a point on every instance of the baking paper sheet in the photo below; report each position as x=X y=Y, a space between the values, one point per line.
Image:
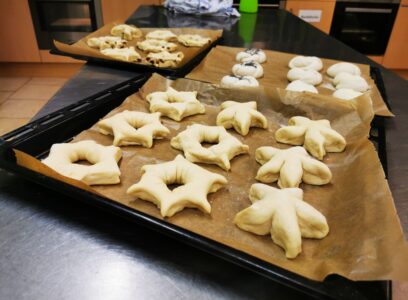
x=220 y=60
x=81 y=48
x=365 y=240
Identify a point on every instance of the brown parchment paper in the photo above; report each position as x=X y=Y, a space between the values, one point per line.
x=81 y=48
x=365 y=240
x=220 y=60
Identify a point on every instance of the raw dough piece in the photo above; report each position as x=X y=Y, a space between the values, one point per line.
x=156 y=46
x=300 y=86
x=196 y=184
x=236 y=82
x=241 y=116
x=106 y=42
x=104 y=160
x=306 y=62
x=308 y=76
x=193 y=40
x=251 y=55
x=220 y=154
x=348 y=81
x=165 y=59
x=133 y=128
x=290 y=167
x=346 y=94
x=343 y=67
x=166 y=35
x=284 y=215
x=316 y=136
x=174 y=104
x=125 y=54
x=127 y=32
x=249 y=68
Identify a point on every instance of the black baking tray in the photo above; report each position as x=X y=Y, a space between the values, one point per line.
x=37 y=137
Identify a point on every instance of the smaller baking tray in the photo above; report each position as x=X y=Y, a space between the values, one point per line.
x=37 y=137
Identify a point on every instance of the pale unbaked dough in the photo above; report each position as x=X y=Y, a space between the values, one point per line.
x=236 y=82
x=165 y=59
x=133 y=128
x=104 y=160
x=290 y=167
x=125 y=54
x=346 y=94
x=343 y=67
x=127 y=32
x=316 y=136
x=193 y=40
x=241 y=116
x=251 y=55
x=174 y=104
x=284 y=215
x=106 y=42
x=306 y=62
x=349 y=81
x=220 y=154
x=308 y=76
x=166 y=35
x=250 y=68
x=196 y=183
x=300 y=86
x=156 y=46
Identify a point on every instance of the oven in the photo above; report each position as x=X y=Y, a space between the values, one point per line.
x=364 y=25
x=64 y=20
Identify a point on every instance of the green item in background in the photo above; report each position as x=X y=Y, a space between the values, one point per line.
x=246 y=25
x=248 y=6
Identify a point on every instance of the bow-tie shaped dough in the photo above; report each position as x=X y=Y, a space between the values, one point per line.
x=227 y=146
x=291 y=166
x=133 y=128
x=284 y=215
x=196 y=183
x=241 y=116
x=316 y=136
x=174 y=104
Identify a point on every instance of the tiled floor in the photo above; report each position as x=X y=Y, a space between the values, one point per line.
x=22 y=97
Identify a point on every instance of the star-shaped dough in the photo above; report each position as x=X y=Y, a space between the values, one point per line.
x=196 y=184
x=240 y=116
x=316 y=136
x=174 y=104
x=284 y=215
x=133 y=128
x=227 y=146
x=291 y=166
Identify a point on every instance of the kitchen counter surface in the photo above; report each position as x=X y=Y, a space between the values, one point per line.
x=53 y=247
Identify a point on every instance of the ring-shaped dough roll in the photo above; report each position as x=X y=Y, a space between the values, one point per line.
x=250 y=68
x=196 y=183
x=220 y=154
x=290 y=167
x=306 y=62
x=346 y=94
x=284 y=216
x=316 y=136
x=353 y=82
x=104 y=160
x=343 y=67
x=133 y=128
x=174 y=104
x=236 y=82
x=300 y=86
x=308 y=76
x=241 y=116
x=251 y=55
x=127 y=32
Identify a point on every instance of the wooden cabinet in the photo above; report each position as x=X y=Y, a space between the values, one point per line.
x=113 y=10
x=19 y=43
x=324 y=8
x=396 y=55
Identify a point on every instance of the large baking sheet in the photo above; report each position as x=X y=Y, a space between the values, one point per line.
x=365 y=240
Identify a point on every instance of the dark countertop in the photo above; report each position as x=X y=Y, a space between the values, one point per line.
x=53 y=247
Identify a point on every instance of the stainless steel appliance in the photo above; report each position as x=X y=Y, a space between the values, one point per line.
x=64 y=20
x=364 y=25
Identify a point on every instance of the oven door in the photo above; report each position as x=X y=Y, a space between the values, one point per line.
x=366 y=27
x=64 y=20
